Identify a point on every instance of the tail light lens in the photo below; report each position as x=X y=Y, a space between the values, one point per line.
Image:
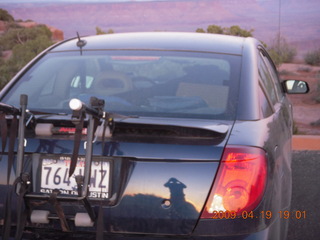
x=240 y=181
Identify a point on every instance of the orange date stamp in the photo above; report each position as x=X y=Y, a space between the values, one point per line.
x=296 y=214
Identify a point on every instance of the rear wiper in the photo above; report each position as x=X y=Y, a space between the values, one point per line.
x=31 y=115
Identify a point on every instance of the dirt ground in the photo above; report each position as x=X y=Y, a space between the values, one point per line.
x=306 y=110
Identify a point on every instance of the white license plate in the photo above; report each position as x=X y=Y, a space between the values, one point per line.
x=55 y=175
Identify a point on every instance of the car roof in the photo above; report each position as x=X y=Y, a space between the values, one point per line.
x=201 y=42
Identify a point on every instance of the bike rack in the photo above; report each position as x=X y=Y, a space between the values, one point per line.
x=80 y=110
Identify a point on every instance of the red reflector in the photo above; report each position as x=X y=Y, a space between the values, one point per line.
x=240 y=182
x=67 y=130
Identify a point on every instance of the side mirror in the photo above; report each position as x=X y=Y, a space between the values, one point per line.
x=295 y=86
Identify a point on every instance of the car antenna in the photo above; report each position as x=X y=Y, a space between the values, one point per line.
x=81 y=43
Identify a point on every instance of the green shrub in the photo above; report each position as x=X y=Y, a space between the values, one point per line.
x=295 y=130
x=25 y=44
x=5 y=16
x=281 y=51
x=234 y=30
x=313 y=58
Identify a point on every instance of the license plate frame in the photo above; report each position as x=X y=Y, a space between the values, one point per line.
x=54 y=174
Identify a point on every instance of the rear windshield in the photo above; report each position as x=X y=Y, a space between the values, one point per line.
x=143 y=83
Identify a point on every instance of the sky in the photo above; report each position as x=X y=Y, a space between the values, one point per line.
x=299 y=20
x=77 y=1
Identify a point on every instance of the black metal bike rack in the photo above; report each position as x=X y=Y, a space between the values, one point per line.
x=95 y=114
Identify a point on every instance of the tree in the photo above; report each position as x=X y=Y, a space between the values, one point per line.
x=21 y=35
x=200 y=30
x=5 y=16
x=234 y=30
x=281 y=51
x=99 y=31
x=214 y=29
x=110 y=31
x=25 y=44
x=313 y=57
x=22 y=54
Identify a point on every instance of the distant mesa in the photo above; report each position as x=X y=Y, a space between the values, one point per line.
x=57 y=35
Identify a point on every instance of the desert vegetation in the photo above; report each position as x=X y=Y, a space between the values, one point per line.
x=313 y=57
x=234 y=30
x=280 y=50
x=19 y=44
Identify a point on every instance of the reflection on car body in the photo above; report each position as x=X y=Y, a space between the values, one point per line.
x=177 y=134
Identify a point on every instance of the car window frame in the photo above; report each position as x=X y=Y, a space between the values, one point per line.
x=266 y=80
x=275 y=78
x=274 y=73
x=266 y=108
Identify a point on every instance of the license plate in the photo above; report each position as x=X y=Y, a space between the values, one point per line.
x=55 y=175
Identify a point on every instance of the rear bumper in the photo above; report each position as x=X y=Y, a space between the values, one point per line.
x=272 y=232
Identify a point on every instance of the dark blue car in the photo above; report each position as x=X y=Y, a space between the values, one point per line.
x=147 y=135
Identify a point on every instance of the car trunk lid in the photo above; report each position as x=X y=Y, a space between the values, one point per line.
x=160 y=174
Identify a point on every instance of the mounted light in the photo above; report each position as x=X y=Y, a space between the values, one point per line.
x=75 y=104
x=240 y=181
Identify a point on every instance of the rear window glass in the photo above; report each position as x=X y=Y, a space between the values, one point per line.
x=143 y=83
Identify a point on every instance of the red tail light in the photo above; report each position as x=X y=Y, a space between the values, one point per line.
x=240 y=181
